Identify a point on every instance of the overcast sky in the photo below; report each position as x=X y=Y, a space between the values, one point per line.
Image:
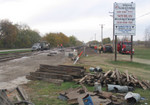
x=80 y=18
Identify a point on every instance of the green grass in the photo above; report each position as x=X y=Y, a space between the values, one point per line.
x=143 y=53
x=145 y=94
x=44 y=93
x=131 y=64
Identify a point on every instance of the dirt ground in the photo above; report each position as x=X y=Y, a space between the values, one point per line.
x=13 y=72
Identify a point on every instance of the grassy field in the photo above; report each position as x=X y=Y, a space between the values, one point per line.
x=43 y=93
x=131 y=64
x=142 y=52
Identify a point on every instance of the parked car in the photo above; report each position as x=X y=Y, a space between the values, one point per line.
x=44 y=45
x=36 y=47
x=107 y=48
x=41 y=46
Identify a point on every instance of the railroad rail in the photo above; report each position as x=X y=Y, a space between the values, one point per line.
x=11 y=56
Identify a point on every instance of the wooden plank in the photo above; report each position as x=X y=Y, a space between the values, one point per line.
x=136 y=81
x=107 y=73
x=67 y=70
x=81 y=67
x=22 y=93
x=52 y=75
x=73 y=73
x=113 y=74
x=127 y=75
x=118 y=77
x=82 y=79
x=55 y=81
x=147 y=84
x=84 y=88
x=62 y=67
x=142 y=85
x=4 y=99
x=73 y=101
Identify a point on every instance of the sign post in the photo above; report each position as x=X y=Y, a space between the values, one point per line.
x=115 y=47
x=124 y=22
x=131 y=47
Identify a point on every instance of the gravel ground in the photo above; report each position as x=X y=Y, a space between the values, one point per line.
x=13 y=72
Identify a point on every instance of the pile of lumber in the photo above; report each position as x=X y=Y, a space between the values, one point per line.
x=4 y=99
x=115 y=77
x=19 y=97
x=57 y=74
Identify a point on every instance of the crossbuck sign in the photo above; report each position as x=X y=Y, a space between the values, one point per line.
x=124 y=18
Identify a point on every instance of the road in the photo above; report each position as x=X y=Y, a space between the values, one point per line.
x=13 y=72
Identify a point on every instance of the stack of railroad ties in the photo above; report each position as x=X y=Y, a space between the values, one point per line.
x=57 y=74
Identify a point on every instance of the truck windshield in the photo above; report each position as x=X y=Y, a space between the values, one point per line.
x=127 y=43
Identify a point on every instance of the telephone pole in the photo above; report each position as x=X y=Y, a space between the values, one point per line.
x=113 y=28
x=95 y=39
x=102 y=33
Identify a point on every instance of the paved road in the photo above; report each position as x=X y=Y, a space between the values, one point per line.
x=15 y=49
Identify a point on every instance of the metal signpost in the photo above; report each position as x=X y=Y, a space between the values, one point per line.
x=124 y=22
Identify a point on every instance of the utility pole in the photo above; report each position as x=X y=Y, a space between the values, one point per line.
x=113 y=29
x=102 y=33
x=95 y=39
x=95 y=36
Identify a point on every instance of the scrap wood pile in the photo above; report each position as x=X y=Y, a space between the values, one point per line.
x=78 y=95
x=57 y=74
x=115 y=77
x=15 y=96
x=4 y=99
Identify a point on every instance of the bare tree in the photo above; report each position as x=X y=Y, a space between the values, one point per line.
x=147 y=37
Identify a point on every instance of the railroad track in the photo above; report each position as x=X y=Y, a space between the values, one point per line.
x=7 y=57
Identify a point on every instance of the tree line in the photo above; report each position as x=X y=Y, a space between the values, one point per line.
x=22 y=36
x=56 y=39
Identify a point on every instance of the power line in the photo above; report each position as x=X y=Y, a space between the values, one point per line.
x=143 y=15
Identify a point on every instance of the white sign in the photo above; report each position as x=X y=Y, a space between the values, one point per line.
x=124 y=18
